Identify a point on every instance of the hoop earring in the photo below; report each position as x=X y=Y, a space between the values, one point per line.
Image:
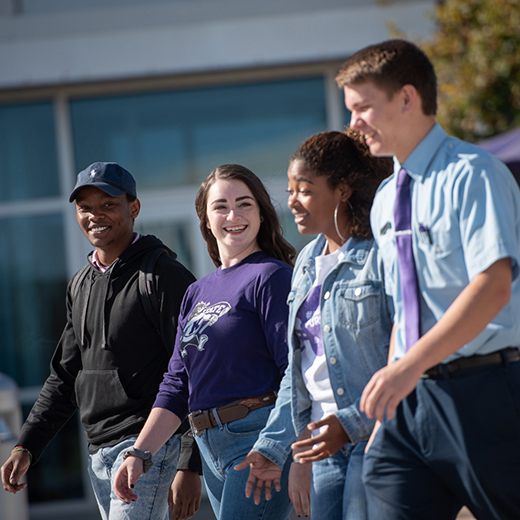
x=336 y=222
x=351 y=209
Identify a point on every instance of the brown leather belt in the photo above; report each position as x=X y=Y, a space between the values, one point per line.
x=205 y=419
x=507 y=355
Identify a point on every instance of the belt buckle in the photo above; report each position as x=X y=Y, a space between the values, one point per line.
x=198 y=433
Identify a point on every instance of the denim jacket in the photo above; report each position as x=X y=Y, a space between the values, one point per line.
x=356 y=321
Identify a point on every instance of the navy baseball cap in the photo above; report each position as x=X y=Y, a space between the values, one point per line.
x=107 y=176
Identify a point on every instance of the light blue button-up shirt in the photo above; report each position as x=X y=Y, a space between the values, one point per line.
x=465 y=217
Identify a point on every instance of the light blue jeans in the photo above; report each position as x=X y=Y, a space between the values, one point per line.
x=337 y=492
x=152 y=488
x=224 y=446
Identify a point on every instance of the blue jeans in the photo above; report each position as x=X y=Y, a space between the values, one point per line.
x=152 y=488
x=337 y=492
x=224 y=446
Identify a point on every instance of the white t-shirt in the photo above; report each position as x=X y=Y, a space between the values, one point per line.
x=308 y=329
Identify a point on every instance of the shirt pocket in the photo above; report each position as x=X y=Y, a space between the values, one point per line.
x=442 y=256
x=360 y=304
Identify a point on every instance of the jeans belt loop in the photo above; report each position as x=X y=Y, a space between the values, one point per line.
x=217 y=418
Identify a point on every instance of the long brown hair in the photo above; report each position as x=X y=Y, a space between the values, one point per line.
x=270 y=239
x=344 y=157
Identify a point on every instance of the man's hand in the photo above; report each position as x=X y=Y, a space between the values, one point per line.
x=325 y=444
x=388 y=387
x=300 y=488
x=184 y=495
x=126 y=477
x=262 y=472
x=14 y=469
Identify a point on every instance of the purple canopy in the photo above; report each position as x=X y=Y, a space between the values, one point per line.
x=506 y=147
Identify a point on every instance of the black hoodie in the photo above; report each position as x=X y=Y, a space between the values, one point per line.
x=110 y=359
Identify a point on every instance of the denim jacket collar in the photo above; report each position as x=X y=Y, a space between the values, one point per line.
x=356 y=255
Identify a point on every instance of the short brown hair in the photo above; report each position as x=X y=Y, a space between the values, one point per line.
x=270 y=239
x=345 y=158
x=390 y=65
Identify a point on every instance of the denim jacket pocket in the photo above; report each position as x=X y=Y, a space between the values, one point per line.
x=360 y=305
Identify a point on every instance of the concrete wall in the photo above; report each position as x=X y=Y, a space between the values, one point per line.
x=85 y=42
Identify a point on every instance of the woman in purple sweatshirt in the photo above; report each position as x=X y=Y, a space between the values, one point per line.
x=231 y=348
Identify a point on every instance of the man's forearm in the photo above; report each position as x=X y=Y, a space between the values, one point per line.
x=471 y=312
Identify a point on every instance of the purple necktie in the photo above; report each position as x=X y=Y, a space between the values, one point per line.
x=406 y=263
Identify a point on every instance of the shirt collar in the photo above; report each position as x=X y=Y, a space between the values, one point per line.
x=418 y=162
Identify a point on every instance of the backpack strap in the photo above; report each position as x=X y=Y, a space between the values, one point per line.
x=147 y=288
x=77 y=280
x=76 y=283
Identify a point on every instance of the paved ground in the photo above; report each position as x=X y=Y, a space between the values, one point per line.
x=205 y=513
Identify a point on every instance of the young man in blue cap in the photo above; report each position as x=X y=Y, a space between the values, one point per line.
x=112 y=356
x=448 y=227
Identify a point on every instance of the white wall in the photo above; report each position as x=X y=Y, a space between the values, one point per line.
x=178 y=37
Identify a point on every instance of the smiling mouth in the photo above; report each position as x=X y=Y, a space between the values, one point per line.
x=96 y=230
x=234 y=229
x=299 y=217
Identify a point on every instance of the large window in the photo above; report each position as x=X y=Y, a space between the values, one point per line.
x=173 y=138
x=28 y=166
x=32 y=243
x=32 y=299
x=33 y=278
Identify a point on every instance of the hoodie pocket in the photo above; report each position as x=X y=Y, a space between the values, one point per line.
x=104 y=406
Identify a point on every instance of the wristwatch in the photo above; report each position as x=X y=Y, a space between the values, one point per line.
x=146 y=456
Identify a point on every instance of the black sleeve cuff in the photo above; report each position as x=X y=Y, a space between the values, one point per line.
x=189 y=456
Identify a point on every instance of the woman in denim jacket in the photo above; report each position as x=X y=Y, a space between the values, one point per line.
x=339 y=331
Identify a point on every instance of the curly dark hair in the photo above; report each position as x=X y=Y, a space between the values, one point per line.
x=344 y=157
x=270 y=239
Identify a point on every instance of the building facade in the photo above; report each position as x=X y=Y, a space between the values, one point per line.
x=170 y=89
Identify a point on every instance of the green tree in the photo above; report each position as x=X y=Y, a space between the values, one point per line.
x=476 y=54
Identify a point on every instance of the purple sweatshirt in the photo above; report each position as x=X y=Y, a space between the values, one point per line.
x=232 y=337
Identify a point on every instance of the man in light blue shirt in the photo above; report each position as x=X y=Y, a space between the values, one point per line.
x=448 y=402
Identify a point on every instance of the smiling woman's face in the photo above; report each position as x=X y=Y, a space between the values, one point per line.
x=233 y=216
x=311 y=200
